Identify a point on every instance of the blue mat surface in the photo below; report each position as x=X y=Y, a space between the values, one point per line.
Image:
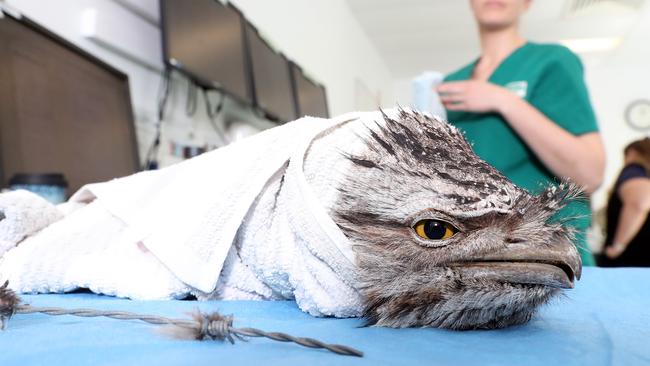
x=604 y=321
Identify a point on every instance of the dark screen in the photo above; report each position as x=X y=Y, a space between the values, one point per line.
x=61 y=111
x=310 y=97
x=204 y=38
x=273 y=90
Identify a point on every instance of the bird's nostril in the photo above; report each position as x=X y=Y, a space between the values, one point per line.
x=514 y=240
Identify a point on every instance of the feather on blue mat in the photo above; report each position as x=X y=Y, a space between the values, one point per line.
x=604 y=321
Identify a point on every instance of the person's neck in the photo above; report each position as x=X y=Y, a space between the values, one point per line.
x=632 y=160
x=497 y=44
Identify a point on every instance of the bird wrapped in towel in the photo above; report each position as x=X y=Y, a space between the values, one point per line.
x=388 y=216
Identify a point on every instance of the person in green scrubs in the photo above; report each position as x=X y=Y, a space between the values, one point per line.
x=525 y=108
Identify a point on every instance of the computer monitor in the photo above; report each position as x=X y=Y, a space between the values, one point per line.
x=311 y=99
x=61 y=109
x=271 y=78
x=204 y=39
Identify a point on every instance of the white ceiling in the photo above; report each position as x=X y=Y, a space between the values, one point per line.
x=417 y=35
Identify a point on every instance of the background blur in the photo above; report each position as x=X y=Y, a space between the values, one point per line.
x=365 y=53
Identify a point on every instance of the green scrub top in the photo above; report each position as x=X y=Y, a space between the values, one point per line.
x=550 y=78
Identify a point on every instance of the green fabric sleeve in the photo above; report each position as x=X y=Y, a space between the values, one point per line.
x=561 y=94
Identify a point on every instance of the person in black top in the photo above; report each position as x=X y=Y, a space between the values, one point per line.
x=627 y=243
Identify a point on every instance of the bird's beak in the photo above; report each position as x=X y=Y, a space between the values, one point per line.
x=554 y=265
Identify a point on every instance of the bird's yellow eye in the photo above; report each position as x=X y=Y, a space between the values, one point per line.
x=434 y=229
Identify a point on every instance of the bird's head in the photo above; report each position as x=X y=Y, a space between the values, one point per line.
x=444 y=240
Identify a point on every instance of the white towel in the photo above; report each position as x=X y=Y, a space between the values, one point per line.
x=22 y=214
x=247 y=221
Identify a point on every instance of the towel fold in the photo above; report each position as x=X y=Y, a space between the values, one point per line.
x=247 y=221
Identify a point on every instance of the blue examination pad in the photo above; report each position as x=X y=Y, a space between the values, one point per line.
x=604 y=321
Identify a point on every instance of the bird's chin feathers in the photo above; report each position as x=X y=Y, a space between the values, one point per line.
x=470 y=305
x=417 y=166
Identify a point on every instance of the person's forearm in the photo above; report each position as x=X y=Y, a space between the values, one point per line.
x=630 y=220
x=564 y=154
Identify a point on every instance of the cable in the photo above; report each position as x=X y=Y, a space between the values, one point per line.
x=214 y=113
x=191 y=99
x=151 y=161
x=202 y=326
x=163 y=93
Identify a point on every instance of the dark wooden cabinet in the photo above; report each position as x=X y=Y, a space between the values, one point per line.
x=61 y=109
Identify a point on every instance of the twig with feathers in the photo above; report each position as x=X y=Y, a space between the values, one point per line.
x=202 y=326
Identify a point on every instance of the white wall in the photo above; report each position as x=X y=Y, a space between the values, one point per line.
x=327 y=40
x=615 y=80
x=322 y=36
x=402 y=91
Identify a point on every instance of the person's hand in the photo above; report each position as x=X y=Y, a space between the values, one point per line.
x=614 y=251
x=473 y=96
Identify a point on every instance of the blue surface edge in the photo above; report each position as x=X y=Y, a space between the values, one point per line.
x=603 y=321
